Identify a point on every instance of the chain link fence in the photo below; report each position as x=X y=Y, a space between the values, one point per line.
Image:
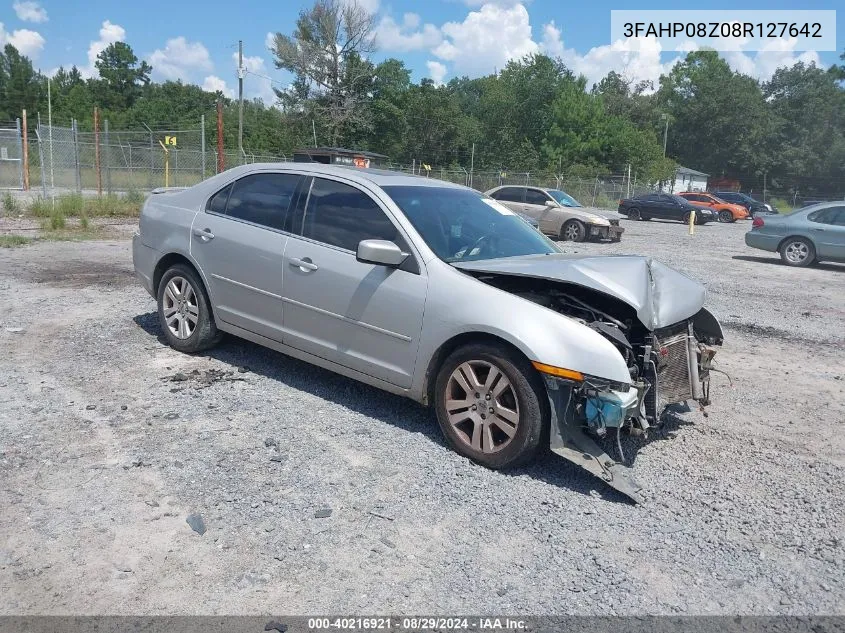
x=11 y=156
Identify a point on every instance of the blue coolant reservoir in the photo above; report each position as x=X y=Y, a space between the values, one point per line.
x=604 y=410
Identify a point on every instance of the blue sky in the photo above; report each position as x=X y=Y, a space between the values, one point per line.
x=196 y=41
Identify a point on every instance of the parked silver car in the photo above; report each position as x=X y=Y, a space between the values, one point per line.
x=435 y=292
x=560 y=215
x=803 y=237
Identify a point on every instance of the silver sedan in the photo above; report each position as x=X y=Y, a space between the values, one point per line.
x=803 y=237
x=435 y=292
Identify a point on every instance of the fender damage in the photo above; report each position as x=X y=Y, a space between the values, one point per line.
x=655 y=317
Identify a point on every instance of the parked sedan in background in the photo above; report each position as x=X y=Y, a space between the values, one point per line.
x=754 y=207
x=803 y=237
x=725 y=211
x=559 y=215
x=435 y=292
x=664 y=206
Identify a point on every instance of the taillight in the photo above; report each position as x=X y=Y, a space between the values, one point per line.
x=757 y=222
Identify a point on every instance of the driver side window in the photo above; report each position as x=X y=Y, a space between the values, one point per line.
x=341 y=215
x=533 y=196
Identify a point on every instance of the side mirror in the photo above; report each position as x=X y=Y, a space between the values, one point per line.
x=380 y=252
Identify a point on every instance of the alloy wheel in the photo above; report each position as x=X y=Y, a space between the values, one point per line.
x=482 y=406
x=796 y=252
x=180 y=307
x=572 y=232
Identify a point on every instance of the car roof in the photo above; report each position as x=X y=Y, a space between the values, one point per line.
x=380 y=177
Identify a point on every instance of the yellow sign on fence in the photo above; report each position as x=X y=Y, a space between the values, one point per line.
x=170 y=140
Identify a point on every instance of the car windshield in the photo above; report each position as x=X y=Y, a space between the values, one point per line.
x=563 y=198
x=464 y=225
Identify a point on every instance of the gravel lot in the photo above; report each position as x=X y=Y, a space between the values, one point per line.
x=110 y=440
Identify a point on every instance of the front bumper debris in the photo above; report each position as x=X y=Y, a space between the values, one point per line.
x=676 y=368
x=600 y=231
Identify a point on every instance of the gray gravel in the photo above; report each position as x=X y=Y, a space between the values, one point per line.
x=320 y=495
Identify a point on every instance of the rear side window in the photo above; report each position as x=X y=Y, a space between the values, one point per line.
x=340 y=215
x=262 y=199
x=217 y=204
x=509 y=194
x=831 y=215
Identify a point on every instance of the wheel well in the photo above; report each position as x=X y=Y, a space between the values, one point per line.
x=450 y=346
x=792 y=237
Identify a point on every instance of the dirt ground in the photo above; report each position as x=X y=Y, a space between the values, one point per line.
x=110 y=440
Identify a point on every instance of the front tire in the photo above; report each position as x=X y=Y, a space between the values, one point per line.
x=491 y=405
x=798 y=252
x=184 y=311
x=573 y=231
x=726 y=216
x=634 y=214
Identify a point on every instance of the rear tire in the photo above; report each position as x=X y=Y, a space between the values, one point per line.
x=491 y=441
x=798 y=252
x=184 y=311
x=634 y=214
x=573 y=231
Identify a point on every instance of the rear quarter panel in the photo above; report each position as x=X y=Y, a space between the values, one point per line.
x=165 y=225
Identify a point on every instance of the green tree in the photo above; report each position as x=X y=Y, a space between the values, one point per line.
x=720 y=122
x=20 y=85
x=122 y=78
x=327 y=54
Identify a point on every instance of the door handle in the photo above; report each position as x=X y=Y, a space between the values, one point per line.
x=818 y=229
x=305 y=264
x=204 y=234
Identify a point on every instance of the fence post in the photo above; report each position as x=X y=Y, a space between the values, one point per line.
x=25 y=156
x=221 y=159
x=595 y=189
x=20 y=151
x=97 y=151
x=41 y=160
x=75 y=134
x=202 y=144
x=107 y=156
x=175 y=166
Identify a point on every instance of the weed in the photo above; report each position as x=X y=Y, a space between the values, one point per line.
x=11 y=241
x=10 y=203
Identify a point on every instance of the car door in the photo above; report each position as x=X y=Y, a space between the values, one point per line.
x=238 y=243
x=366 y=317
x=671 y=209
x=540 y=206
x=653 y=206
x=827 y=230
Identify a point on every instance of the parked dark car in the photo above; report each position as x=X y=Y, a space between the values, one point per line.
x=664 y=206
x=755 y=207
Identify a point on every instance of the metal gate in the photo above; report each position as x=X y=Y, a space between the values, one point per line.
x=11 y=151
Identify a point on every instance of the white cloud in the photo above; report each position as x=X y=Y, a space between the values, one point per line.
x=370 y=6
x=29 y=43
x=777 y=53
x=487 y=39
x=180 y=59
x=256 y=81
x=436 y=71
x=30 y=12
x=109 y=34
x=270 y=40
x=213 y=83
x=407 y=36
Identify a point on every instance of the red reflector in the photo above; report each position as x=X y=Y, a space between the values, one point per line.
x=664 y=351
x=757 y=222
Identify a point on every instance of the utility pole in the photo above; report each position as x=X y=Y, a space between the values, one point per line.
x=665 y=117
x=241 y=97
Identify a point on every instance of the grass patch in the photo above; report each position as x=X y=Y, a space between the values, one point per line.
x=12 y=241
x=74 y=205
x=72 y=235
x=10 y=203
x=781 y=204
x=133 y=196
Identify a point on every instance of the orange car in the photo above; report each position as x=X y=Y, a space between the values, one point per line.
x=725 y=211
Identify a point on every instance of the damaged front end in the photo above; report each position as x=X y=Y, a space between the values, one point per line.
x=668 y=363
x=668 y=366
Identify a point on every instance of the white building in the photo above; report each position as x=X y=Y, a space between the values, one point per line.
x=686 y=179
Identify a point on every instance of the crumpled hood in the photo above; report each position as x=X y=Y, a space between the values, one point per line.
x=660 y=295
